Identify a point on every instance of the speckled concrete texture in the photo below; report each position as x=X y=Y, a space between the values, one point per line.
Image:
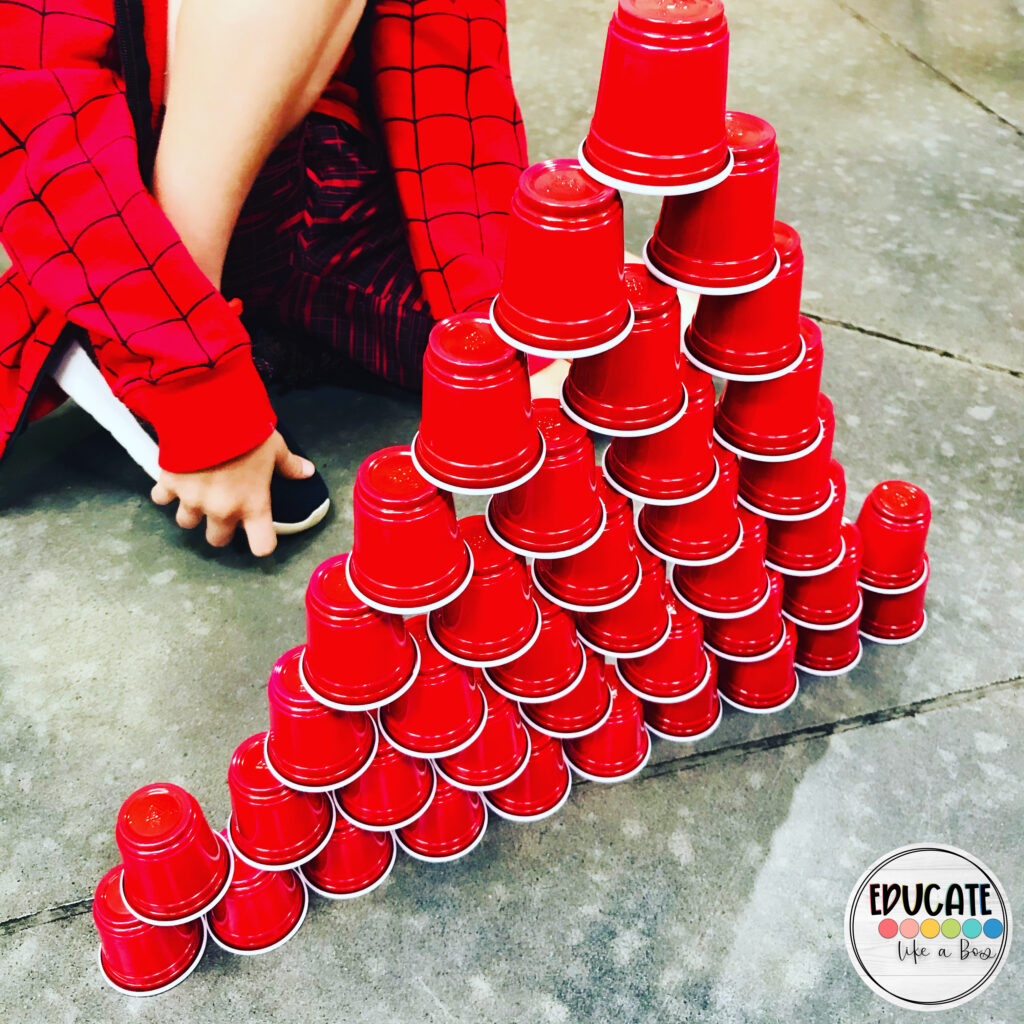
x=711 y=888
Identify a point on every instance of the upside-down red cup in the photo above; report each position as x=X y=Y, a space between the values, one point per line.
x=556 y=512
x=618 y=750
x=550 y=668
x=602 y=576
x=779 y=417
x=498 y=754
x=260 y=911
x=656 y=50
x=311 y=746
x=762 y=683
x=637 y=627
x=541 y=790
x=703 y=531
x=798 y=485
x=138 y=958
x=812 y=545
x=751 y=634
x=583 y=710
x=495 y=619
x=676 y=668
x=736 y=584
x=723 y=240
x=407 y=553
x=896 y=616
x=354 y=862
x=451 y=827
x=674 y=465
x=832 y=596
x=893 y=522
x=442 y=712
x=477 y=432
x=636 y=387
x=754 y=334
x=394 y=791
x=562 y=292
x=356 y=657
x=828 y=650
x=175 y=866
x=695 y=717
x=272 y=826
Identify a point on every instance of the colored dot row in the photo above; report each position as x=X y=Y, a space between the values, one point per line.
x=930 y=928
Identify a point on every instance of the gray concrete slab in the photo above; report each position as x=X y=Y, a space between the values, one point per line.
x=906 y=193
x=711 y=894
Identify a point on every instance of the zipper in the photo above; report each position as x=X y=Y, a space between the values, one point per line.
x=129 y=20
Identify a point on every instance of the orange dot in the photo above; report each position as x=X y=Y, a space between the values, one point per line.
x=929 y=928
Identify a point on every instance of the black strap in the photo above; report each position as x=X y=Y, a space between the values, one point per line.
x=130 y=19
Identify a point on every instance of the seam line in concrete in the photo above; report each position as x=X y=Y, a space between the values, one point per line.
x=951 y=82
x=917 y=345
x=59 y=913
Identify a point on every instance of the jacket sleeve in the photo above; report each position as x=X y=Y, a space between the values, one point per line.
x=93 y=243
x=455 y=139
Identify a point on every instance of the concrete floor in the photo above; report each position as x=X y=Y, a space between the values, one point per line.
x=713 y=887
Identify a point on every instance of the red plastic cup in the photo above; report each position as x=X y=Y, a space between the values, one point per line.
x=831 y=597
x=754 y=334
x=894 y=526
x=272 y=826
x=138 y=958
x=828 y=650
x=618 y=750
x=494 y=620
x=541 y=790
x=675 y=669
x=175 y=866
x=602 y=576
x=799 y=485
x=693 y=718
x=700 y=532
x=562 y=292
x=441 y=713
x=499 y=754
x=751 y=634
x=638 y=627
x=581 y=711
x=812 y=545
x=764 y=683
x=407 y=554
x=356 y=657
x=734 y=586
x=723 y=240
x=558 y=511
x=777 y=417
x=550 y=668
x=675 y=465
x=477 y=433
x=312 y=747
x=394 y=791
x=260 y=911
x=636 y=387
x=452 y=826
x=353 y=863
x=896 y=616
x=656 y=50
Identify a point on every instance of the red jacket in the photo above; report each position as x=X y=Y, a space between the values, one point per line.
x=91 y=247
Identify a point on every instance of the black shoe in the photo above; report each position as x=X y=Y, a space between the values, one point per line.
x=297 y=505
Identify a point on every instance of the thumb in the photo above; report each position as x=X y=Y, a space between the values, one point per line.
x=293 y=466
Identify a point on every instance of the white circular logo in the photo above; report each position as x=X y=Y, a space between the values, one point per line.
x=928 y=927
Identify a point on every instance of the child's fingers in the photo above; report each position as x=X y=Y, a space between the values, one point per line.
x=162 y=494
x=291 y=465
x=260 y=531
x=188 y=517
x=219 y=531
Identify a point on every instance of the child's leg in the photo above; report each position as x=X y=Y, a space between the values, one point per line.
x=243 y=74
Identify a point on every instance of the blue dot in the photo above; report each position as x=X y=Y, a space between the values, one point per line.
x=993 y=928
x=972 y=928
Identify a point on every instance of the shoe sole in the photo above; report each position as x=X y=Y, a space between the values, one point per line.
x=316 y=516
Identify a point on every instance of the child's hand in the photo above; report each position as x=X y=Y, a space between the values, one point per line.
x=234 y=492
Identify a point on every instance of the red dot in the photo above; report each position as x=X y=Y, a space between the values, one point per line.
x=909 y=928
x=887 y=928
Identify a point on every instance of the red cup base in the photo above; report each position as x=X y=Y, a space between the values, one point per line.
x=165 y=986
x=379 y=700
x=469 y=846
x=506 y=480
x=709 y=286
x=418 y=602
x=629 y=772
x=277 y=943
x=297 y=862
x=768 y=710
x=688 y=738
x=665 y=185
x=327 y=894
x=538 y=815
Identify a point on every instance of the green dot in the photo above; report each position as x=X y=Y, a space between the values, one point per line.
x=951 y=927
x=972 y=928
